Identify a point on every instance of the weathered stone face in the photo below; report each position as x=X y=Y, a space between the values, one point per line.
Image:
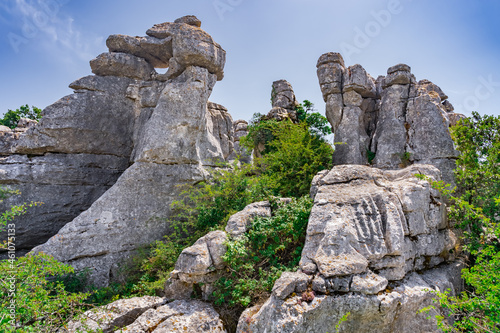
x=390 y=122
x=393 y=311
x=369 y=233
x=383 y=220
x=110 y=157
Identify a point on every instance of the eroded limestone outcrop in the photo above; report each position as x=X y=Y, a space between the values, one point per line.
x=283 y=101
x=390 y=122
x=152 y=132
x=240 y=128
x=377 y=243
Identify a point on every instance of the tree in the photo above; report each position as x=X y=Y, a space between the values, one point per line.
x=11 y=118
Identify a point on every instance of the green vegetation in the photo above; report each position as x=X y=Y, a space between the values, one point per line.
x=475 y=210
x=293 y=155
x=257 y=259
x=11 y=118
x=31 y=298
x=40 y=303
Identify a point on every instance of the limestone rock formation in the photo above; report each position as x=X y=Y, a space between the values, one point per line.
x=110 y=156
x=240 y=128
x=220 y=125
x=377 y=242
x=392 y=311
x=149 y=314
x=283 y=101
x=367 y=219
x=390 y=122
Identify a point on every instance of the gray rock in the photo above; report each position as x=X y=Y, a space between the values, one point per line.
x=454 y=118
x=122 y=64
x=428 y=86
x=351 y=140
x=390 y=311
x=240 y=222
x=178 y=316
x=384 y=132
x=398 y=74
x=220 y=125
x=356 y=78
x=368 y=283
x=282 y=95
x=192 y=46
x=289 y=283
x=240 y=128
x=390 y=136
x=448 y=106
x=97 y=119
x=175 y=129
x=124 y=115
x=202 y=258
x=330 y=71
x=334 y=110
x=117 y=314
x=66 y=184
x=189 y=19
x=360 y=219
x=129 y=215
x=155 y=51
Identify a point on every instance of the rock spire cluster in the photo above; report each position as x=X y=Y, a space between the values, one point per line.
x=389 y=122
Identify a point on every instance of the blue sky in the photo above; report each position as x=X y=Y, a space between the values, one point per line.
x=47 y=44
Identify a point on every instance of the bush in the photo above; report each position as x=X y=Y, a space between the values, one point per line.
x=11 y=118
x=32 y=296
x=31 y=299
x=475 y=210
x=257 y=259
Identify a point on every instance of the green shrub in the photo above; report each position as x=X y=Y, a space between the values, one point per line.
x=293 y=157
x=33 y=297
x=11 y=118
x=40 y=303
x=475 y=210
x=257 y=259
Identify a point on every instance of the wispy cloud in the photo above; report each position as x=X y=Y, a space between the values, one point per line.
x=44 y=25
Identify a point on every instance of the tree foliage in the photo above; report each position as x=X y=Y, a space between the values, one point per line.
x=475 y=209
x=11 y=118
x=256 y=260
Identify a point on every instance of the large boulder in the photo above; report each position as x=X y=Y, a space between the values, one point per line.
x=167 y=156
x=191 y=46
x=394 y=310
x=387 y=221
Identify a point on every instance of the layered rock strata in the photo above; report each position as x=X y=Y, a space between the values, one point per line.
x=160 y=127
x=389 y=122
